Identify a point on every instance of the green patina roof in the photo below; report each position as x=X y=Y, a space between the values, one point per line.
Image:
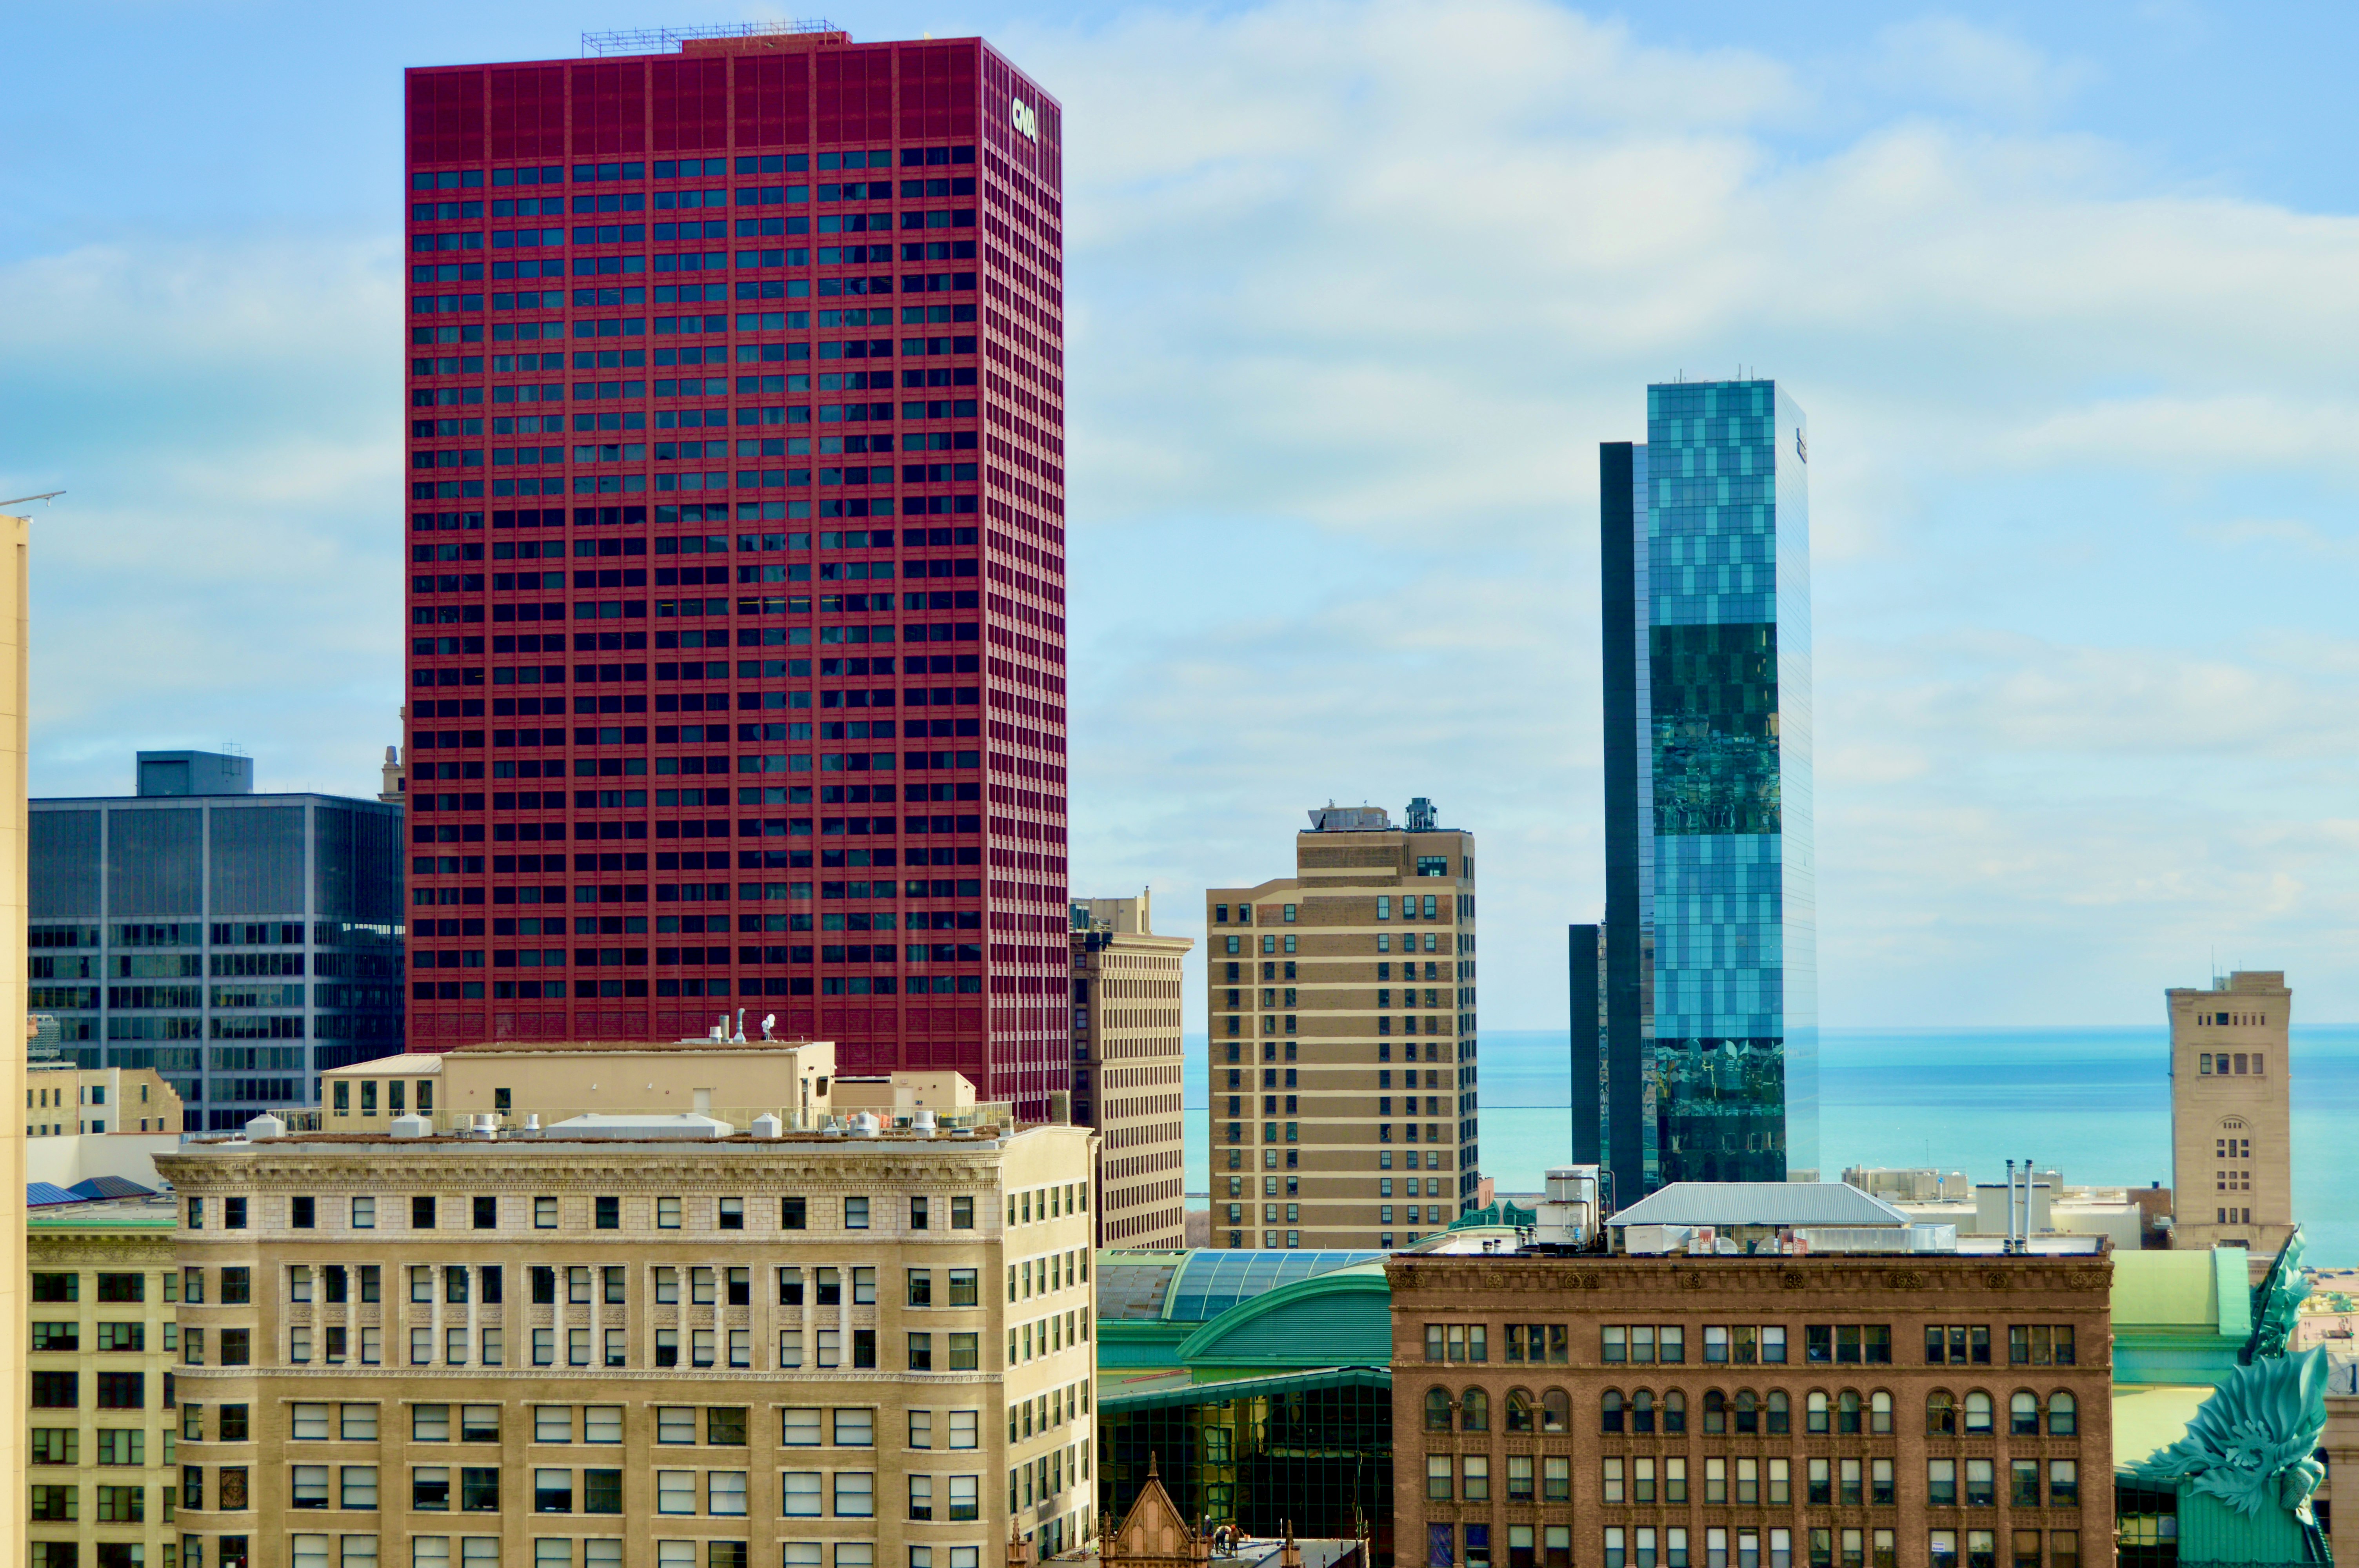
x=2153 y=1417
x=1502 y=1213
x=2204 y=1291
x=1344 y=1315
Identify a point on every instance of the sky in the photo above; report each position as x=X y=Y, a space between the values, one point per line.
x=2071 y=294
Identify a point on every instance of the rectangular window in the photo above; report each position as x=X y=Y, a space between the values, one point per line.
x=2063 y=1483
x=1941 y=1483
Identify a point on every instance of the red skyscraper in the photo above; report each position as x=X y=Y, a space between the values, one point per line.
x=736 y=530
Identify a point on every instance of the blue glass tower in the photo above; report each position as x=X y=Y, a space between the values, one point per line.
x=1695 y=1004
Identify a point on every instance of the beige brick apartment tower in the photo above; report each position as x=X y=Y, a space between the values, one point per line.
x=1126 y=1066
x=1342 y=1029
x=2231 y=1133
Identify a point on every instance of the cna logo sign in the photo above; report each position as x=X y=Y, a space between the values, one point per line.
x=1022 y=116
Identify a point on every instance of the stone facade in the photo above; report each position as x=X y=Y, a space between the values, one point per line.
x=2231 y=1118
x=815 y=1350
x=1752 y=1413
x=100 y=1432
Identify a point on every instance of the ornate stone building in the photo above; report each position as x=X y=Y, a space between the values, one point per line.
x=2231 y=1114
x=1733 y=1412
x=657 y=1343
x=1153 y=1534
x=99 y=1432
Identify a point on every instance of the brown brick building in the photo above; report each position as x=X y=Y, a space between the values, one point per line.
x=1815 y=1411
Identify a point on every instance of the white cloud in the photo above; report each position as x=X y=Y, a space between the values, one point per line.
x=226 y=563
x=1355 y=290
x=1301 y=301
x=1949 y=62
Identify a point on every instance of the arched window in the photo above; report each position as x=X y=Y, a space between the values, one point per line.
x=1610 y=1418
x=1748 y=1414
x=1642 y=1411
x=1815 y=1411
x=1520 y=1411
x=2061 y=1414
x=1780 y=1413
x=1978 y=1413
x=1437 y=1409
x=1847 y=1413
x=1675 y=1411
x=1474 y=1411
x=1941 y=1415
x=1715 y=1411
x=1556 y=1411
x=2023 y=1415
x=1879 y=1412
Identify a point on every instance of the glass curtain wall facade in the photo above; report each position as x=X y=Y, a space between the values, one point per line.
x=239 y=946
x=1696 y=1003
x=736 y=540
x=1314 y=1452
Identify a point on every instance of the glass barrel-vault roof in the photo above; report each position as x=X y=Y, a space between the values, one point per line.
x=1210 y=1282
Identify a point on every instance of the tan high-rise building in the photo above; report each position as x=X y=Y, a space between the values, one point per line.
x=15 y=852
x=636 y=1342
x=2230 y=1122
x=103 y=1477
x=1127 y=1068
x=1340 y=1011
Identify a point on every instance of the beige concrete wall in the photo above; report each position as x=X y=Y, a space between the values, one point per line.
x=70 y=1102
x=65 y=1160
x=15 y=634
x=735 y=1084
x=902 y=1095
x=2232 y=1132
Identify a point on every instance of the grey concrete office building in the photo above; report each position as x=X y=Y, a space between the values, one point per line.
x=239 y=943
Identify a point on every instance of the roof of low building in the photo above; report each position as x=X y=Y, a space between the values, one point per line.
x=1760 y=1204
x=414 y=1064
x=689 y=1047
x=108 y=1213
